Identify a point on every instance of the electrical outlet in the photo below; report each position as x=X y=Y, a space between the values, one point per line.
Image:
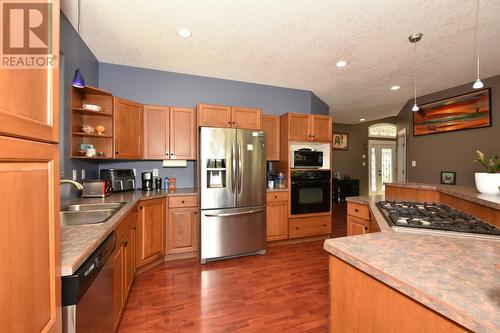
x=155 y=172
x=413 y=163
x=364 y=156
x=364 y=163
x=134 y=171
x=83 y=174
x=74 y=175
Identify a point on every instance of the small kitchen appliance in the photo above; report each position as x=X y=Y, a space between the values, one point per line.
x=121 y=179
x=147 y=181
x=306 y=158
x=97 y=188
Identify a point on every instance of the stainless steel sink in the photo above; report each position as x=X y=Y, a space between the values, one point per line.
x=94 y=206
x=91 y=213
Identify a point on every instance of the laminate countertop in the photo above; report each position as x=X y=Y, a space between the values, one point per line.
x=78 y=242
x=456 y=276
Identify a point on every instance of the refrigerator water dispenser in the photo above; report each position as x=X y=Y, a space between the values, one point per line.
x=216 y=173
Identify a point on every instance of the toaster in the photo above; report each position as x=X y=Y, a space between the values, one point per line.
x=97 y=188
x=121 y=179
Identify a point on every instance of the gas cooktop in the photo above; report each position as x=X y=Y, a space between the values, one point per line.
x=433 y=217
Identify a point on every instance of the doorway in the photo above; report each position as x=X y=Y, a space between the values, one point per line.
x=401 y=167
x=381 y=165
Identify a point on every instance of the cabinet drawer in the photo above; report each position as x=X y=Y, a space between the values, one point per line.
x=309 y=226
x=357 y=226
x=358 y=210
x=276 y=196
x=183 y=201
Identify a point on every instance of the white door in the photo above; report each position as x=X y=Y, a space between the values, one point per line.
x=381 y=165
x=401 y=166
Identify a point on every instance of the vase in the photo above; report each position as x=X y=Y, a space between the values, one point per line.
x=488 y=183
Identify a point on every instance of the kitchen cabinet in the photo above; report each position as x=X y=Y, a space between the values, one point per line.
x=305 y=127
x=225 y=116
x=213 y=115
x=128 y=127
x=151 y=231
x=30 y=239
x=357 y=226
x=277 y=216
x=271 y=126
x=183 y=224
x=156 y=132
x=310 y=226
x=169 y=133
x=247 y=118
x=29 y=98
x=183 y=134
x=359 y=220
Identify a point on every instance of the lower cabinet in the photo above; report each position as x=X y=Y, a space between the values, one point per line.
x=277 y=216
x=124 y=264
x=182 y=230
x=359 y=220
x=310 y=226
x=151 y=231
x=357 y=226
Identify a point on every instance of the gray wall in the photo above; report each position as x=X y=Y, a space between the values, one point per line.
x=71 y=44
x=452 y=151
x=318 y=106
x=350 y=162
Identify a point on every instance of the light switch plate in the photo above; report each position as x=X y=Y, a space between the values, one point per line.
x=155 y=172
x=364 y=156
x=74 y=175
x=134 y=172
x=364 y=163
x=413 y=163
x=83 y=174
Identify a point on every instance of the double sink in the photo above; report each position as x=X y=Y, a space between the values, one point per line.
x=89 y=213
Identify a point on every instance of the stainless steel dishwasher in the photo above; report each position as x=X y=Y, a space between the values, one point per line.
x=87 y=295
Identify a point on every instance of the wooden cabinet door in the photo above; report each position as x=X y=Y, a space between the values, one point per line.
x=118 y=284
x=357 y=226
x=182 y=134
x=299 y=127
x=271 y=126
x=321 y=128
x=248 y=118
x=156 y=132
x=128 y=274
x=182 y=230
x=277 y=220
x=128 y=129
x=214 y=115
x=133 y=246
x=29 y=98
x=30 y=279
x=151 y=231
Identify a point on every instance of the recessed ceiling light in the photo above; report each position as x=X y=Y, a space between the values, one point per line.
x=184 y=33
x=395 y=87
x=362 y=119
x=341 y=63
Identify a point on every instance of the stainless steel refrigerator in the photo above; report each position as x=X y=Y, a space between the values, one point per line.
x=233 y=192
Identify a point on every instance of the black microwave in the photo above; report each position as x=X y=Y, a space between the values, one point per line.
x=306 y=158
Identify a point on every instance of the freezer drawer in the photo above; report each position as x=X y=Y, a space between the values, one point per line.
x=232 y=232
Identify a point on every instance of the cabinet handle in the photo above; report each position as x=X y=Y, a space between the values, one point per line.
x=366 y=228
x=296 y=228
x=229 y=122
x=140 y=207
x=195 y=213
x=117 y=152
x=182 y=201
x=275 y=197
x=167 y=154
x=171 y=154
x=324 y=225
x=234 y=123
x=125 y=243
x=356 y=210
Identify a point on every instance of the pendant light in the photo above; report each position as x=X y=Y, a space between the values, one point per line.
x=78 y=81
x=414 y=38
x=478 y=84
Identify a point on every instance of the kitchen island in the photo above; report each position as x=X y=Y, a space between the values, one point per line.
x=392 y=281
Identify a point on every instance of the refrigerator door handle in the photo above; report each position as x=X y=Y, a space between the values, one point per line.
x=235 y=214
x=240 y=165
x=233 y=167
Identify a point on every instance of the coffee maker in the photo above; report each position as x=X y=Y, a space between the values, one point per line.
x=147 y=181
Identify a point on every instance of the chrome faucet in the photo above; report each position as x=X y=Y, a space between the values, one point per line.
x=72 y=182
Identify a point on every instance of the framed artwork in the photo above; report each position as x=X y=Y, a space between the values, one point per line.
x=448 y=177
x=340 y=141
x=471 y=110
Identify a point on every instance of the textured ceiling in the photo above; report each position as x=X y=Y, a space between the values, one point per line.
x=296 y=43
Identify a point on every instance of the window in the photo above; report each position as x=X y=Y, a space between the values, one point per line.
x=382 y=131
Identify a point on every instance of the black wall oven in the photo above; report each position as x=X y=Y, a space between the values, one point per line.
x=311 y=191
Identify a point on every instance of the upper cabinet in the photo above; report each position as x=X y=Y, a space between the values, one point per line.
x=29 y=98
x=182 y=134
x=271 y=126
x=226 y=116
x=128 y=128
x=247 y=118
x=306 y=127
x=214 y=115
x=169 y=133
x=156 y=132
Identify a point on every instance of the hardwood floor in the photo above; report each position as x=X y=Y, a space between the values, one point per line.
x=283 y=291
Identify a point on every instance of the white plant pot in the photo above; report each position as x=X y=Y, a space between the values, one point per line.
x=488 y=183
